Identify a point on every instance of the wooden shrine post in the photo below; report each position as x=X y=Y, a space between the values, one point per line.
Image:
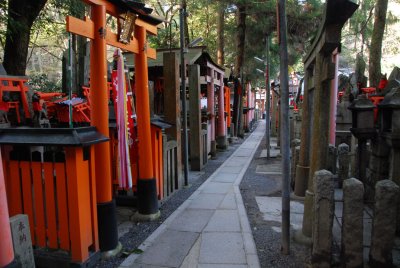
x=131 y=16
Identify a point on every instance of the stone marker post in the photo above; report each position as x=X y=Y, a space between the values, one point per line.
x=295 y=159
x=22 y=240
x=324 y=207
x=352 y=223
x=384 y=224
x=344 y=159
x=331 y=165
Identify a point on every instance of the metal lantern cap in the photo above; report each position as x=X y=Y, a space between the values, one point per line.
x=362 y=103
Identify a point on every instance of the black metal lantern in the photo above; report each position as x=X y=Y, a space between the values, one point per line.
x=362 y=110
x=389 y=111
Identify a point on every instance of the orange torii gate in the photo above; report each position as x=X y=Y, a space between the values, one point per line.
x=132 y=17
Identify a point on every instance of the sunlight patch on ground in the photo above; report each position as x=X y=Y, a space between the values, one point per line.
x=271 y=208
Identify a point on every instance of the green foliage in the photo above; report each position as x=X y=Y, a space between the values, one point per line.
x=3 y=22
x=41 y=82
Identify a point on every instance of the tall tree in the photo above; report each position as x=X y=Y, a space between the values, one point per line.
x=240 y=38
x=240 y=46
x=220 y=34
x=375 y=53
x=21 y=15
x=185 y=24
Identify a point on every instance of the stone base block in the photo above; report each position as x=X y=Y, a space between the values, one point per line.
x=222 y=142
x=213 y=150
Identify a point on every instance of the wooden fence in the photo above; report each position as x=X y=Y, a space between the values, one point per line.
x=56 y=189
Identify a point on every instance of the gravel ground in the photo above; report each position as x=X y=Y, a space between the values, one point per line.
x=268 y=242
x=139 y=232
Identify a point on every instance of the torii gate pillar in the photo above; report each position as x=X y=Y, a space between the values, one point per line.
x=106 y=207
x=6 y=245
x=95 y=29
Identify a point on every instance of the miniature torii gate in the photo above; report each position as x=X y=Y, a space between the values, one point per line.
x=132 y=16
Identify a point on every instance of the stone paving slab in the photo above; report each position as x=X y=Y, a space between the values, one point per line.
x=207 y=201
x=224 y=221
x=229 y=202
x=170 y=249
x=235 y=161
x=191 y=220
x=243 y=152
x=222 y=248
x=225 y=177
x=231 y=169
x=221 y=266
x=217 y=188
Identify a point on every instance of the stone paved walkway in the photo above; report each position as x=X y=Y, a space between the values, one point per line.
x=211 y=228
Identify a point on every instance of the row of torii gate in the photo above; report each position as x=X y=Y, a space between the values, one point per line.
x=83 y=221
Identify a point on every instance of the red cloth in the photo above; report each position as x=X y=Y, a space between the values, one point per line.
x=36 y=106
x=382 y=83
x=4 y=106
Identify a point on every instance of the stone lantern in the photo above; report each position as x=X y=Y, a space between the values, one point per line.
x=389 y=115
x=363 y=129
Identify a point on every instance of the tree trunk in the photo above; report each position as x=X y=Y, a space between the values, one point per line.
x=240 y=38
x=79 y=53
x=375 y=53
x=220 y=35
x=21 y=15
x=186 y=27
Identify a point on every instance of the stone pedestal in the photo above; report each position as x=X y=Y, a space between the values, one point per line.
x=323 y=213
x=352 y=223
x=384 y=224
